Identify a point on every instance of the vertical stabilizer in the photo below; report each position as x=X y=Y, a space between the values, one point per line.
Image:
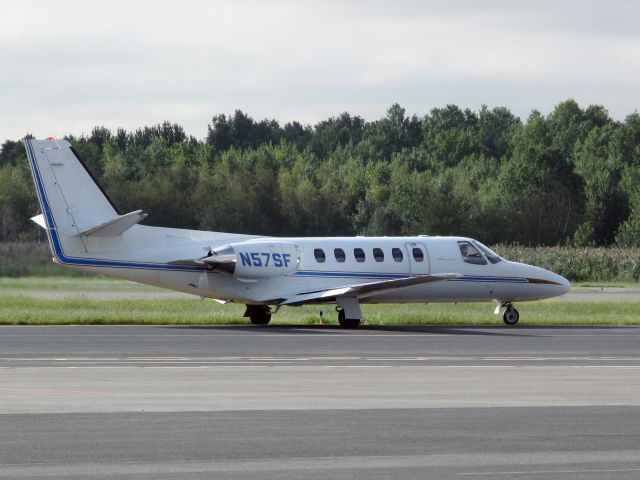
x=71 y=200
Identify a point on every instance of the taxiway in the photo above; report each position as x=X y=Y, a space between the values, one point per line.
x=314 y=402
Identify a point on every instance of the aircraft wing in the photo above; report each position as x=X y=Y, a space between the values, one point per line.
x=364 y=290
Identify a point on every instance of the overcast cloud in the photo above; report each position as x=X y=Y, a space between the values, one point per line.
x=70 y=65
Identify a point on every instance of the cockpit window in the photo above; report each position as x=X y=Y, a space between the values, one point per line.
x=492 y=256
x=471 y=254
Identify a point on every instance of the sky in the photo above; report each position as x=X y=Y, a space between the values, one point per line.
x=70 y=65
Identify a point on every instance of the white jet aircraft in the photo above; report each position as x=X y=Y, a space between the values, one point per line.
x=86 y=231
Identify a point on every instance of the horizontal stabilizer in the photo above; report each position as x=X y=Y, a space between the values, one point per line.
x=364 y=290
x=117 y=226
x=39 y=219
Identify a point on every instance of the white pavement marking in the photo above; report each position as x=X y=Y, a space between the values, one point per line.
x=603 y=361
x=552 y=472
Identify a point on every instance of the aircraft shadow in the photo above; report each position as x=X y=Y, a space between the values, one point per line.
x=399 y=329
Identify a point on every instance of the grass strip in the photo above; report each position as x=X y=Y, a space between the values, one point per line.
x=23 y=310
x=85 y=284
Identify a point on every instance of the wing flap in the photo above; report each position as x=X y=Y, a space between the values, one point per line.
x=364 y=290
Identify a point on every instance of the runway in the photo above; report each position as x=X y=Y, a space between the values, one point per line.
x=314 y=402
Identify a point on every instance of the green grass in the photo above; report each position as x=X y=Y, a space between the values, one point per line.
x=612 y=284
x=31 y=258
x=531 y=313
x=84 y=284
x=18 y=309
x=23 y=310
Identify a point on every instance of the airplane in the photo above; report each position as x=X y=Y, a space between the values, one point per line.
x=86 y=231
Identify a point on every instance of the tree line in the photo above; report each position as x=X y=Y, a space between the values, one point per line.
x=567 y=178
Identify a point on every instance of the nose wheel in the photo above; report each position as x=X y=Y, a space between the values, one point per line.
x=510 y=315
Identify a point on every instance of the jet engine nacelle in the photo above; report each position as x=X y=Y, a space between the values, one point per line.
x=255 y=259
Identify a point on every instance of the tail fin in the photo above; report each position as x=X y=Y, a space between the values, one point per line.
x=72 y=202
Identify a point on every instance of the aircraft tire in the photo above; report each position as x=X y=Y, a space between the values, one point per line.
x=261 y=320
x=347 y=322
x=511 y=316
x=259 y=316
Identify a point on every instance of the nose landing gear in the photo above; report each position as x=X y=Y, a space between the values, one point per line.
x=510 y=315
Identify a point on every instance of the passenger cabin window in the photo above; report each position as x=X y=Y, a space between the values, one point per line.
x=378 y=255
x=418 y=255
x=471 y=254
x=396 y=253
x=339 y=254
x=359 y=254
x=319 y=254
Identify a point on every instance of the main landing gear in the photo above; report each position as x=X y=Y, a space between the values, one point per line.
x=261 y=315
x=258 y=314
x=347 y=322
x=349 y=313
x=510 y=315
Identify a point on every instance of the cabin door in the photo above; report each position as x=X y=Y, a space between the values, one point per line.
x=418 y=258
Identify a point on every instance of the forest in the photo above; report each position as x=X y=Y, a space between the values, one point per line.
x=567 y=178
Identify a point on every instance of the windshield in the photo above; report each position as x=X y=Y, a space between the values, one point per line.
x=492 y=256
x=471 y=254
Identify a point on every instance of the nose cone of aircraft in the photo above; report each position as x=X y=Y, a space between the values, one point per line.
x=563 y=284
x=541 y=283
x=556 y=284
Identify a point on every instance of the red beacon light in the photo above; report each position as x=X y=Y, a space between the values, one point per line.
x=51 y=138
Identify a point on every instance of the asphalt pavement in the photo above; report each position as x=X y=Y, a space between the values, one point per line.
x=319 y=402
